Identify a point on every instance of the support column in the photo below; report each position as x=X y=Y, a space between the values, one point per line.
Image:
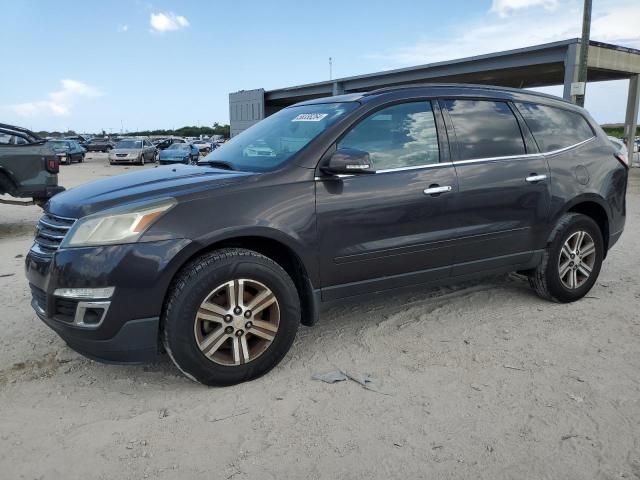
x=631 y=118
x=338 y=88
x=570 y=71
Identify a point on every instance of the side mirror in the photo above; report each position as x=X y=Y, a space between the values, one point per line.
x=349 y=161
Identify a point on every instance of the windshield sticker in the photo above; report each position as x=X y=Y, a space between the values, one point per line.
x=309 y=117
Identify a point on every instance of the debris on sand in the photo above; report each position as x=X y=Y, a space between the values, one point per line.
x=363 y=379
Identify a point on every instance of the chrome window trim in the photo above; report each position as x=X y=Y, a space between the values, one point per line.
x=564 y=149
x=471 y=160
x=525 y=156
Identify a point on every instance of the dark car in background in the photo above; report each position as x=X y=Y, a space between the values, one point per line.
x=167 y=142
x=29 y=165
x=68 y=151
x=78 y=138
x=99 y=145
x=332 y=198
x=179 y=153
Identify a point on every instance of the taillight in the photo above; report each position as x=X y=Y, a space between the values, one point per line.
x=623 y=158
x=52 y=164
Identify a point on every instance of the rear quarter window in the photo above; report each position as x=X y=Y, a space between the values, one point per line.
x=554 y=128
x=484 y=129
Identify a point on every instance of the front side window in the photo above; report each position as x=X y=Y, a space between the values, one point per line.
x=484 y=129
x=554 y=128
x=272 y=141
x=399 y=136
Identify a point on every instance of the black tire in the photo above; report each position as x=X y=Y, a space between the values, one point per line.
x=194 y=283
x=545 y=279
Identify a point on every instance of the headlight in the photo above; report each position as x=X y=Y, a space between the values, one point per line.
x=117 y=225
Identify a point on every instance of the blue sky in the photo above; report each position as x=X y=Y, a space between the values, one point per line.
x=138 y=65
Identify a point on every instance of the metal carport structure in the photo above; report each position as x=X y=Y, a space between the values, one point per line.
x=537 y=66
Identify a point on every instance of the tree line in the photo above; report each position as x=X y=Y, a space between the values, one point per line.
x=187 y=131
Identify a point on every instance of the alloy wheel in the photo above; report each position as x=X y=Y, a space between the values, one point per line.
x=237 y=322
x=577 y=259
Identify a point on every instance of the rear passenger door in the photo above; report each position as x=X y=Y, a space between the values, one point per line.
x=503 y=199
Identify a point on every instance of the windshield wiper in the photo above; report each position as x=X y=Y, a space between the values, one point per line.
x=218 y=164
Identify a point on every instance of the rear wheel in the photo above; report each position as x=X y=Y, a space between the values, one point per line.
x=230 y=316
x=572 y=260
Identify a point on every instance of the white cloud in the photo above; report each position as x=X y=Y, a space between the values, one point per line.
x=505 y=7
x=167 y=21
x=58 y=103
x=123 y=28
x=613 y=21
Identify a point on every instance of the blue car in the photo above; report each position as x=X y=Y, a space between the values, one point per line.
x=68 y=151
x=186 y=153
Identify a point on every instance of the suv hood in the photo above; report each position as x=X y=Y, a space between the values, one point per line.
x=171 y=181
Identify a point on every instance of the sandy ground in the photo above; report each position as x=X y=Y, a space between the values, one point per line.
x=482 y=380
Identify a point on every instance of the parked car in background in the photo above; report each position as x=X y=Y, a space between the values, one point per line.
x=28 y=165
x=167 y=142
x=133 y=150
x=68 y=151
x=204 y=146
x=186 y=153
x=78 y=138
x=99 y=145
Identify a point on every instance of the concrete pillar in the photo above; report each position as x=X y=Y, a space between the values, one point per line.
x=631 y=119
x=338 y=88
x=570 y=70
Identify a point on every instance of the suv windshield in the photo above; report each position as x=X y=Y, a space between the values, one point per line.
x=129 y=144
x=275 y=139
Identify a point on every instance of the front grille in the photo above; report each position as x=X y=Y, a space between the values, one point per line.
x=121 y=155
x=50 y=232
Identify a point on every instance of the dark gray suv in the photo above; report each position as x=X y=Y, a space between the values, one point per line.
x=331 y=198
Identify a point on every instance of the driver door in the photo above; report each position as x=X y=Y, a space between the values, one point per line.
x=391 y=228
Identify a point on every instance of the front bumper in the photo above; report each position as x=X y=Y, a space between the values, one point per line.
x=140 y=273
x=123 y=159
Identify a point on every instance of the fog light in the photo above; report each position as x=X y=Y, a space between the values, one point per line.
x=82 y=293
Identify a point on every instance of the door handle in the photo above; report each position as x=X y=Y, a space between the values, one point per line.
x=436 y=189
x=535 y=178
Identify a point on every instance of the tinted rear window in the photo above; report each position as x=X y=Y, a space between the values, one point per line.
x=485 y=129
x=554 y=128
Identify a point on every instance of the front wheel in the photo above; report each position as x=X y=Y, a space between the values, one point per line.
x=572 y=260
x=230 y=316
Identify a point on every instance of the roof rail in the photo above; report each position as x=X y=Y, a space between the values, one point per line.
x=459 y=85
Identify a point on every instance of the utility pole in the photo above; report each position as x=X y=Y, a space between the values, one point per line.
x=584 y=53
x=330 y=68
